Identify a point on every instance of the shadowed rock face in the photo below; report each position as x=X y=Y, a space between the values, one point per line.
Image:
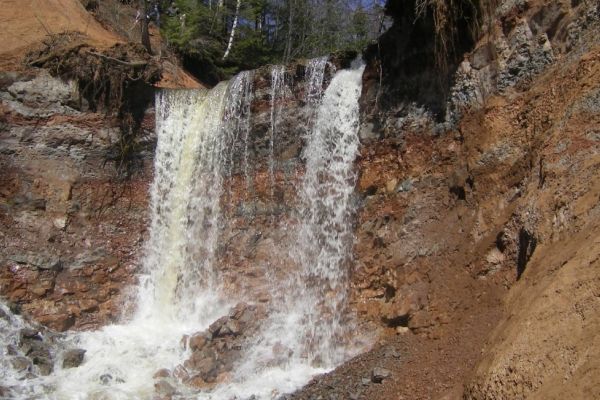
x=414 y=64
x=494 y=47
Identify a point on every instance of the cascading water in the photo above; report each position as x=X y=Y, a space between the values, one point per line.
x=303 y=335
x=305 y=332
x=324 y=238
x=237 y=123
x=277 y=95
x=178 y=295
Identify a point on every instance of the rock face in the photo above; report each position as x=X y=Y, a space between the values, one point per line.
x=71 y=228
x=488 y=228
x=476 y=254
x=214 y=352
x=518 y=40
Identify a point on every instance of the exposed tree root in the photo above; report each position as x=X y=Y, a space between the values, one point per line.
x=118 y=81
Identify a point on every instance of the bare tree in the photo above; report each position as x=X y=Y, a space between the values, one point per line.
x=235 y=22
x=290 y=29
x=143 y=7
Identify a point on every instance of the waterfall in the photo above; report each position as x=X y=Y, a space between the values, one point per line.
x=324 y=237
x=315 y=72
x=277 y=97
x=303 y=335
x=203 y=140
x=179 y=291
x=237 y=123
x=184 y=201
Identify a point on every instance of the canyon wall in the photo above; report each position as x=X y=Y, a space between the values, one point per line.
x=475 y=257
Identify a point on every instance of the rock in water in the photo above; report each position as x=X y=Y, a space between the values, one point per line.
x=73 y=358
x=164 y=388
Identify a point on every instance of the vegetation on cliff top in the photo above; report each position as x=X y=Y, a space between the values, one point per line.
x=221 y=37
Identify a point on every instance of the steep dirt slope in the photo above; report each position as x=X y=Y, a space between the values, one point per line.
x=25 y=23
x=547 y=345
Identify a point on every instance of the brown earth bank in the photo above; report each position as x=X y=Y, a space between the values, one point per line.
x=477 y=238
x=25 y=25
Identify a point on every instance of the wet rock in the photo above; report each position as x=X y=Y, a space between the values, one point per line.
x=232 y=327
x=198 y=341
x=216 y=327
x=162 y=373
x=21 y=364
x=30 y=333
x=105 y=379
x=58 y=322
x=181 y=373
x=73 y=358
x=202 y=362
x=198 y=382
x=12 y=350
x=39 y=260
x=44 y=364
x=378 y=374
x=164 y=388
x=5 y=392
x=215 y=351
x=4 y=315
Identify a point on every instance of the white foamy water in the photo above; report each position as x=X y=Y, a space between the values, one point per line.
x=306 y=332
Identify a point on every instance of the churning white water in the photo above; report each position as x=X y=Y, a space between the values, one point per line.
x=179 y=292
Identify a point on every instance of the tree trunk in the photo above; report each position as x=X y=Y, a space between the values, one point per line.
x=144 y=25
x=235 y=21
x=288 y=46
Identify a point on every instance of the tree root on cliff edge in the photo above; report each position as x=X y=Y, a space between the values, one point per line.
x=118 y=81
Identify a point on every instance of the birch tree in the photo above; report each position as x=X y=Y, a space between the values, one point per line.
x=235 y=22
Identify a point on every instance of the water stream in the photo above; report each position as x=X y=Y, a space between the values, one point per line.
x=180 y=290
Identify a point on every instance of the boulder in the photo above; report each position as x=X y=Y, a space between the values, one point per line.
x=162 y=373
x=198 y=341
x=73 y=358
x=164 y=388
